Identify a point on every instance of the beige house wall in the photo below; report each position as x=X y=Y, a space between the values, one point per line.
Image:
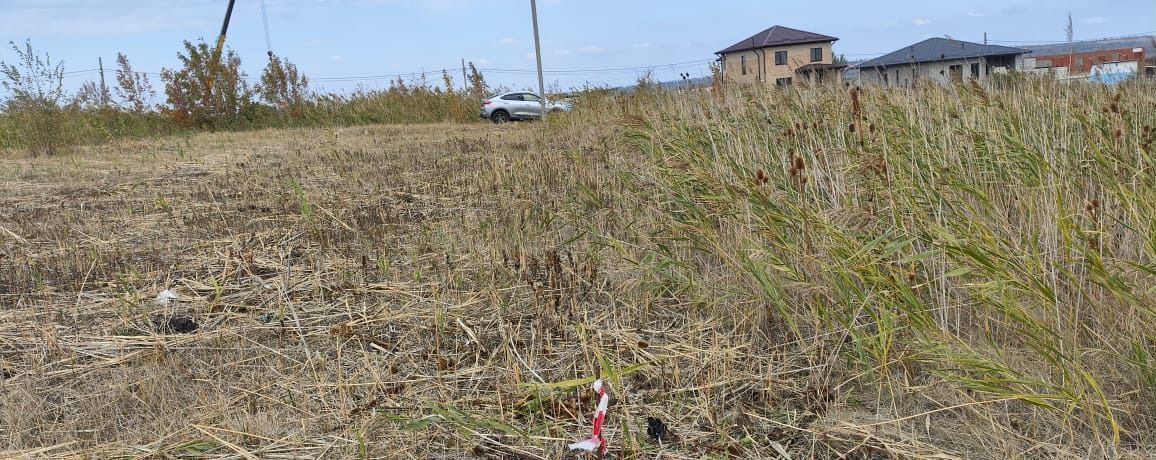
x=761 y=62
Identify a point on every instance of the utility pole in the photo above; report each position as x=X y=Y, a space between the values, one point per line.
x=103 y=88
x=538 y=52
x=985 y=38
x=466 y=81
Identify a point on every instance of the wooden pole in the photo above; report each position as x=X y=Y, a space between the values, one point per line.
x=103 y=88
x=538 y=52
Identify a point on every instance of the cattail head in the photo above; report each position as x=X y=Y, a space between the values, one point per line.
x=798 y=163
x=855 y=108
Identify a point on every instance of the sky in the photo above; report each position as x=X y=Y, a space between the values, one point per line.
x=345 y=44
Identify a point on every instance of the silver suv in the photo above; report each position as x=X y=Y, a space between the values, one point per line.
x=518 y=105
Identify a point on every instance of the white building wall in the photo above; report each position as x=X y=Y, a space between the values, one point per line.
x=938 y=72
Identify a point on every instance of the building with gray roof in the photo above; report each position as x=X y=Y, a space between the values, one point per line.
x=941 y=60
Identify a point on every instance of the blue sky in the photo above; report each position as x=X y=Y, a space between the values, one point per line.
x=596 y=41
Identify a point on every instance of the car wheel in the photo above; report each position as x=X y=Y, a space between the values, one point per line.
x=500 y=117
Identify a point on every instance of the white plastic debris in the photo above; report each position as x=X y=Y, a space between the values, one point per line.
x=165 y=296
x=596 y=442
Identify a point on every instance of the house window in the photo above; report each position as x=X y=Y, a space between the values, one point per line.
x=1080 y=63
x=743 y=64
x=975 y=71
x=1116 y=57
x=956 y=72
x=783 y=82
x=816 y=54
x=884 y=75
x=780 y=58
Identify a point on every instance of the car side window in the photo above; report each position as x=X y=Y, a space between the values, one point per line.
x=530 y=98
x=512 y=97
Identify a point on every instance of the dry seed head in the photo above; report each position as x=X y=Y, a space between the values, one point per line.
x=798 y=163
x=855 y=108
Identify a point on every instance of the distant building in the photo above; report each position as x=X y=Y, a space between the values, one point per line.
x=1106 y=60
x=940 y=60
x=780 y=56
x=1081 y=63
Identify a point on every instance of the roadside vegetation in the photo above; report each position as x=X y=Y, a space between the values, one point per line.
x=40 y=116
x=823 y=272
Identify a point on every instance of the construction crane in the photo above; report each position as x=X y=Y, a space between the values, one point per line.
x=216 y=51
x=215 y=63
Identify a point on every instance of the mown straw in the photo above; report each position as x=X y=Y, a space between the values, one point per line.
x=963 y=274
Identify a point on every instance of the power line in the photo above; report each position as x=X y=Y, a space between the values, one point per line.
x=604 y=70
x=1063 y=41
x=74 y=72
x=506 y=71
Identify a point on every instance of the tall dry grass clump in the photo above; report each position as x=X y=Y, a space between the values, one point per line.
x=981 y=252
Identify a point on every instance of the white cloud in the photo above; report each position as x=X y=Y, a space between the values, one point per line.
x=482 y=61
x=921 y=21
x=642 y=45
x=508 y=41
x=975 y=14
x=336 y=57
x=590 y=49
x=1097 y=20
x=563 y=52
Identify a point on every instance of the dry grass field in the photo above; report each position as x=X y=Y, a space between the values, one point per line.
x=935 y=273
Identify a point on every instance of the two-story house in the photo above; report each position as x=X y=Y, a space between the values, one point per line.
x=780 y=56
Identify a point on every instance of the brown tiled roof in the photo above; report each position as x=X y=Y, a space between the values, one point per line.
x=777 y=36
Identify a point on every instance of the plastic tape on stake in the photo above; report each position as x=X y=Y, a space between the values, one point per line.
x=596 y=441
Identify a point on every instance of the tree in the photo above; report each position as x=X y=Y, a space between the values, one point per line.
x=193 y=102
x=90 y=95
x=133 y=88
x=36 y=84
x=283 y=86
x=478 y=86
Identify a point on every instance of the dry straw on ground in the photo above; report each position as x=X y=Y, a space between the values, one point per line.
x=933 y=273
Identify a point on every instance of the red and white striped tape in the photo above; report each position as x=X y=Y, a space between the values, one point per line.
x=596 y=442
